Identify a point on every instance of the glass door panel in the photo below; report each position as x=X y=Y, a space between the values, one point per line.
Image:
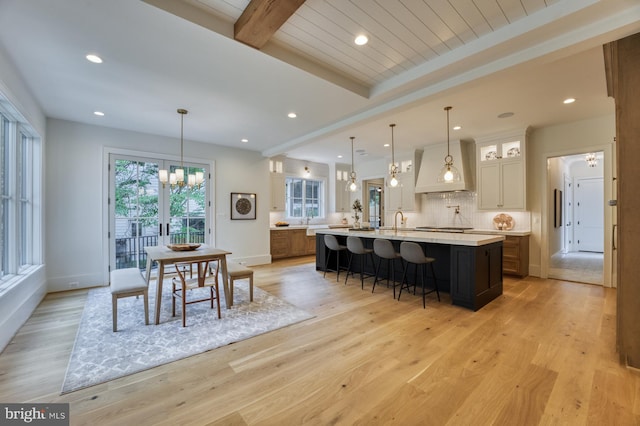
x=187 y=206
x=135 y=211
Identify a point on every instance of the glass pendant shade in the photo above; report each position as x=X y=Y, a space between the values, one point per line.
x=448 y=173
x=393 y=182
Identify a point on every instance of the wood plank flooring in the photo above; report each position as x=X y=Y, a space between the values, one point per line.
x=542 y=354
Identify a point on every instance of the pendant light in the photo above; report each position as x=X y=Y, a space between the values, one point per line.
x=448 y=173
x=352 y=185
x=177 y=178
x=393 y=178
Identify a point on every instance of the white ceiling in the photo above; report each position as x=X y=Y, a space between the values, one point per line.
x=483 y=57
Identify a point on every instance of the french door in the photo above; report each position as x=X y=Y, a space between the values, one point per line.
x=144 y=213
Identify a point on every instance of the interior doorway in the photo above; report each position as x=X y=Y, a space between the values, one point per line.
x=374 y=207
x=576 y=237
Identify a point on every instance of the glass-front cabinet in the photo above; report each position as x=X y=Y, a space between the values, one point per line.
x=501 y=171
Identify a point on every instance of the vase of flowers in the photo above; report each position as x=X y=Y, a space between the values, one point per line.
x=357 y=209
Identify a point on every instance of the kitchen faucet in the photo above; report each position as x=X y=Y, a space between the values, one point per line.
x=395 y=220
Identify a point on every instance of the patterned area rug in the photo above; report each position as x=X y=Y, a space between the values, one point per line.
x=100 y=355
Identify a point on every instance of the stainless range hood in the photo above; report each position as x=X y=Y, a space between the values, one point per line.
x=463 y=153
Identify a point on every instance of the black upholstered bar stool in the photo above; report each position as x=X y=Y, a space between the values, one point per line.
x=332 y=244
x=412 y=254
x=383 y=248
x=355 y=247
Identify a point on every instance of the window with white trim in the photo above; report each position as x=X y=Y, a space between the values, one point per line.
x=20 y=181
x=304 y=198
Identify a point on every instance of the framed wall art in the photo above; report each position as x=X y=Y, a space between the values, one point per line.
x=243 y=206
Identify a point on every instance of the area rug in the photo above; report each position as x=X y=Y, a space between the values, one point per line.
x=100 y=355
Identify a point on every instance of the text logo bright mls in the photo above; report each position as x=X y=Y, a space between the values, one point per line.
x=34 y=414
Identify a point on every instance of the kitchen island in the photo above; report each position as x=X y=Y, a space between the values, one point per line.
x=467 y=266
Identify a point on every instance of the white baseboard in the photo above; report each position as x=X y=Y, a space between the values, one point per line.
x=534 y=270
x=74 y=282
x=263 y=259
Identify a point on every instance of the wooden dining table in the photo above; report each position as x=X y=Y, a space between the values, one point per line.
x=163 y=255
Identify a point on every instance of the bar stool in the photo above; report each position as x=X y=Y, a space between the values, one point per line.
x=412 y=253
x=332 y=244
x=384 y=250
x=355 y=247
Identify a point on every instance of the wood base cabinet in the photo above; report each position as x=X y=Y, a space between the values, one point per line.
x=515 y=260
x=291 y=243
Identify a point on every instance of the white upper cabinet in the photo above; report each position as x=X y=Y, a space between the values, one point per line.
x=501 y=171
x=403 y=197
x=278 y=196
x=343 y=197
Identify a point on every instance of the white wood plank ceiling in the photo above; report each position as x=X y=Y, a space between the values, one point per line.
x=402 y=33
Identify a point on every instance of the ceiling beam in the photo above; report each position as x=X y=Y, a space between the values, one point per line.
x=262 y=18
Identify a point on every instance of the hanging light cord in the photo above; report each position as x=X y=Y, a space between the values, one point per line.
x=182 y=112
x=448 y=159
x=393 y=159
x=352 y=168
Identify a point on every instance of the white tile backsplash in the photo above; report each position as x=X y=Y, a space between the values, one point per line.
x=439 y=210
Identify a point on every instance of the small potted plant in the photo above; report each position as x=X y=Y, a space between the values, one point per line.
x=357 y=208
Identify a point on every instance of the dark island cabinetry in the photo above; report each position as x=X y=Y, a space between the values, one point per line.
x=468 y=267
x=476 y=275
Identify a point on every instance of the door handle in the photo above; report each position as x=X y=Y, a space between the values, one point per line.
x=613 y=237
x=160 y=229
x=167 y=229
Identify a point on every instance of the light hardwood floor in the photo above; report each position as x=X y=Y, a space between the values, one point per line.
x=543 y=353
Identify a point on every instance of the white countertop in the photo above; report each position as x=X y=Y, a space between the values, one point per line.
x=498 y=232
x=453 y=238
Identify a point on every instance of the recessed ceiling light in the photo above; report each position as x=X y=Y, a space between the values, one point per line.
x=98 y=113
x=457 y=127
x=244 y=140
x=386 y=145
x=361 y=40
x=569 y=101
x=94 y=58
x=292 y=115
x=505 y=115
x=339 y=156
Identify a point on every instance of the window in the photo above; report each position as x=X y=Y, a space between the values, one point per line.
x=4 y=194
x=20 y=177
x=305 y=198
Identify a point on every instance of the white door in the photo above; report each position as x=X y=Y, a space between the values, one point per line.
x=567 y=221
x=589 y=214
x=144 y=213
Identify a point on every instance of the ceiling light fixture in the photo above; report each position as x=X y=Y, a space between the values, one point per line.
x=361 y=40
x=569 y=101
x=98 y=113
x=393 y=179
x=292 y=115
x=177 y=178
x=244 y=140
x=448 y=173
x=307 y=171
x=505 y=115
x=591 y=159
x=94 y=58
x=352 y=185
x=457 y=127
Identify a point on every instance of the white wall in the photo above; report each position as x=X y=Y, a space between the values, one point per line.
x=75 y=249
x=595 y=134
x=19 y=301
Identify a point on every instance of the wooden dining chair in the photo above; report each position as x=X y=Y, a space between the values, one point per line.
x=185 y=282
